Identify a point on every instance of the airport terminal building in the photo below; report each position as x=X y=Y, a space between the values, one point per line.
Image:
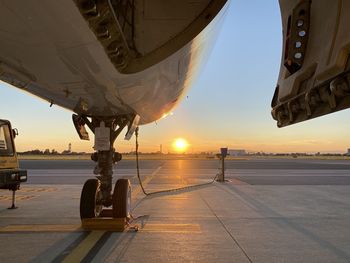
x=237 y=152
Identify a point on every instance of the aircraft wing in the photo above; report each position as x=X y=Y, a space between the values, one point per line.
x=315 y=67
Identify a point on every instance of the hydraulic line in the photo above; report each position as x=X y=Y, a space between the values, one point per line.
x=161 y=191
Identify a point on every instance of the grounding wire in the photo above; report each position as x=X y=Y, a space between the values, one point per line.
x=161 y=191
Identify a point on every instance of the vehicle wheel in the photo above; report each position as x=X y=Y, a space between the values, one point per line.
x=122 y=199
x=90 y=200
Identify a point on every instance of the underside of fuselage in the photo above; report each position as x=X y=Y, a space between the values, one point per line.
x=106 y=58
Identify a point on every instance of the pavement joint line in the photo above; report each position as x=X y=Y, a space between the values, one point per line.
x=80 y=252
x=227 y=231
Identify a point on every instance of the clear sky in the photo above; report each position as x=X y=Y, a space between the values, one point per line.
x=229 y=105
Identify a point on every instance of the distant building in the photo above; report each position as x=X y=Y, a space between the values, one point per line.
x=348 y=152
x=239 y=152
x=69 y=151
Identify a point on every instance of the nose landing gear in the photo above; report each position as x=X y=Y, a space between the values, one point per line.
x=91 y=204
x=97 y=193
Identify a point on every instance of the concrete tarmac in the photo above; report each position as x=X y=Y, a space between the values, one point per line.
x=270 y=210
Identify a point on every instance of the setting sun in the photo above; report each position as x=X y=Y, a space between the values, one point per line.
x=180 y=145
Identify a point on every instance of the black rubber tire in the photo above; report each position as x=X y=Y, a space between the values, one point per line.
x=88 y=198
x=122 y=199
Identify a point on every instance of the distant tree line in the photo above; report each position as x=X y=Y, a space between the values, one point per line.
x=49 y=152
x=208 y=154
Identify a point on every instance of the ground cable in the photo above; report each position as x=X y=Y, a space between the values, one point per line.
x=161 y=191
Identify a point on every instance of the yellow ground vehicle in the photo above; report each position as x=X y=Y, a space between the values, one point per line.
x=10 y=174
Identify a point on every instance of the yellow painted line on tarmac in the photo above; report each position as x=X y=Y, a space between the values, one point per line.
x=18 y=197
x=39 y=189
x=145 y=182
x=40 y=228
x=149 y=227
x=172 y=228
x=78 y=254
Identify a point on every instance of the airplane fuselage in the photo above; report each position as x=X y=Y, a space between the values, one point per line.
x=49 y=50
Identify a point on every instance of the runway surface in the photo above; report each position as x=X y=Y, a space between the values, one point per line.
x=250 y=171
x=256 y=164
x=269 y=210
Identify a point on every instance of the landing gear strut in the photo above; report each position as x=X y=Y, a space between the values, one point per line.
x=97 y=193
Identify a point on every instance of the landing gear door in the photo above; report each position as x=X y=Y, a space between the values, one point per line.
x=132 y=127
x=79 y=125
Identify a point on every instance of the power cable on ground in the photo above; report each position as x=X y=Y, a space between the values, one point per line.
x=161 y=191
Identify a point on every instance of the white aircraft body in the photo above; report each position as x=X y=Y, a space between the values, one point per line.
x=72 y=53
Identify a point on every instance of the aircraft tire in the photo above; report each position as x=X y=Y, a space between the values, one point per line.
x=122 y=199
x=89 y=195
